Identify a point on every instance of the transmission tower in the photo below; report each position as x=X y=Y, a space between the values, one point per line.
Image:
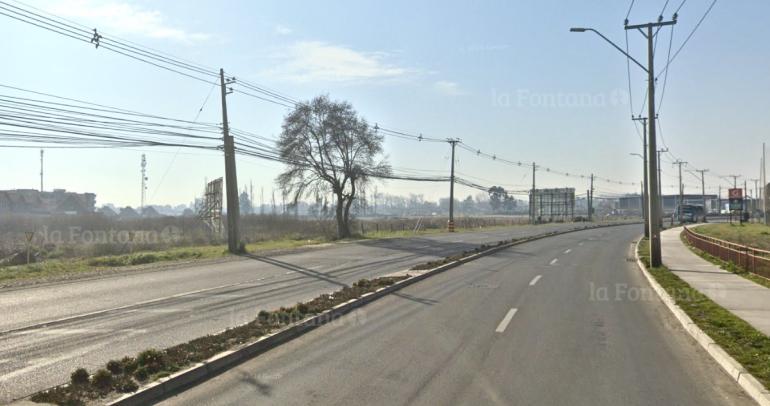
x=144 y=180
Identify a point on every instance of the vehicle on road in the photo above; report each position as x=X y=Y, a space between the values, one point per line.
x=688 y=213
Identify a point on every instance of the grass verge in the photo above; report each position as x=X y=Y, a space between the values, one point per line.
x=85 y=265
x=125 y=375
x=727 y=266
x=747 y=345
x=750 y=234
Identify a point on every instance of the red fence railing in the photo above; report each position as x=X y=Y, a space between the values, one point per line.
x=749 y=259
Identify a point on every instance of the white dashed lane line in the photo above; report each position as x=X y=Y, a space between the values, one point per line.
x=567 y=251
x=506 y=320
x=534 y=281
x=554 y=261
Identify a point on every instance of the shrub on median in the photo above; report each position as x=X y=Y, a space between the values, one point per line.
x=123 y=376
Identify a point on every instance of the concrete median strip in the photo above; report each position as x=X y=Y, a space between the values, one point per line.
x=751 y=385
x=232 y=357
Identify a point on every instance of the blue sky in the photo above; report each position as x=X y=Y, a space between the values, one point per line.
x=475 y=71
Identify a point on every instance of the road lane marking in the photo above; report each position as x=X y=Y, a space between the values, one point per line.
x=580 y=243
x=534 y=281
x=554 y=261
x=318 y=267
x=567 y=251
x=457 y=241
x=506 y=320
x=423 y=246
x=505 y=234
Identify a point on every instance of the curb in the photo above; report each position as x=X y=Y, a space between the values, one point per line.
x=231 y=357
x=751 y=385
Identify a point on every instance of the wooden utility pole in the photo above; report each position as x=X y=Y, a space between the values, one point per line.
x=451 y=223
x=231 y=181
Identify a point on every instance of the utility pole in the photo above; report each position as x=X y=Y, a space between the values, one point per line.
x=591 y=199
x=703 y=190
x=764 y=186
x=451 y=223
x=144 y=181
x=645 y=195
x=719 y=201
x=532 y=196
x=681 y=190
x=660 y=181
x=41 y=171
x=654 y=205
x=231 y=181
x=754 y=195
x=745 y=195
x=656 y=259
x=735 y=180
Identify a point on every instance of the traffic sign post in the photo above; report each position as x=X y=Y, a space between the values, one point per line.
x=29 y=235
x=736 y=203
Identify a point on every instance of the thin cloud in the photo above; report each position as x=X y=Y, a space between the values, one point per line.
x=315 y=61
x=283 y=30
x=123 y=18
x=448 y=88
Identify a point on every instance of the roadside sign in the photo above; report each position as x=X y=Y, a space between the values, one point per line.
x=736 y=204
x=735 y=194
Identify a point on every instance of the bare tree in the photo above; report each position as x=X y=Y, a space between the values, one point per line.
x=328 y=147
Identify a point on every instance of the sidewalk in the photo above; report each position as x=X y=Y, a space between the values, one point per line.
x=739 y=296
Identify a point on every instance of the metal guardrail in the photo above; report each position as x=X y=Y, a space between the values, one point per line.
x=749 y=259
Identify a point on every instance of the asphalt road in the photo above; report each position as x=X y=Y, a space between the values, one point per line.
x=525 y=326
x=48 y=331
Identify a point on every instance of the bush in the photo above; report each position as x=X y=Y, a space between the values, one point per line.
x=125 y=384
x=79 y=377
x=129 y=365
x=153 y=361
x=115 y=367
x=102 y=379
x=141 y=374
x=303 y=308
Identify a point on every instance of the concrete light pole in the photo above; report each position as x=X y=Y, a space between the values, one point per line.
x=654 y=206
x=645 y=202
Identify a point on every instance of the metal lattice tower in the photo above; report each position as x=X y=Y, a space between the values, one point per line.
x=144 y=180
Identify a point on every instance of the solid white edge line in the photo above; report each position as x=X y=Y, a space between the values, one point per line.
x=534 y=281
x=554 y=261
x=506 y=320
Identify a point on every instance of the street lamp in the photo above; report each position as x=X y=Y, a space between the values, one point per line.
x=652 y=168
x=643 y=197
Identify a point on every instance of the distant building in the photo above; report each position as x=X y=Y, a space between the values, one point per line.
x=34 y=202
x=127 y=213
x=5 y=203
x=150 y=213
x=106 y=211
x=71 y=205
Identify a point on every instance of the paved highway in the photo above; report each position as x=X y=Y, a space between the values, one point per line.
x=47 y=331
x=525 y=326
